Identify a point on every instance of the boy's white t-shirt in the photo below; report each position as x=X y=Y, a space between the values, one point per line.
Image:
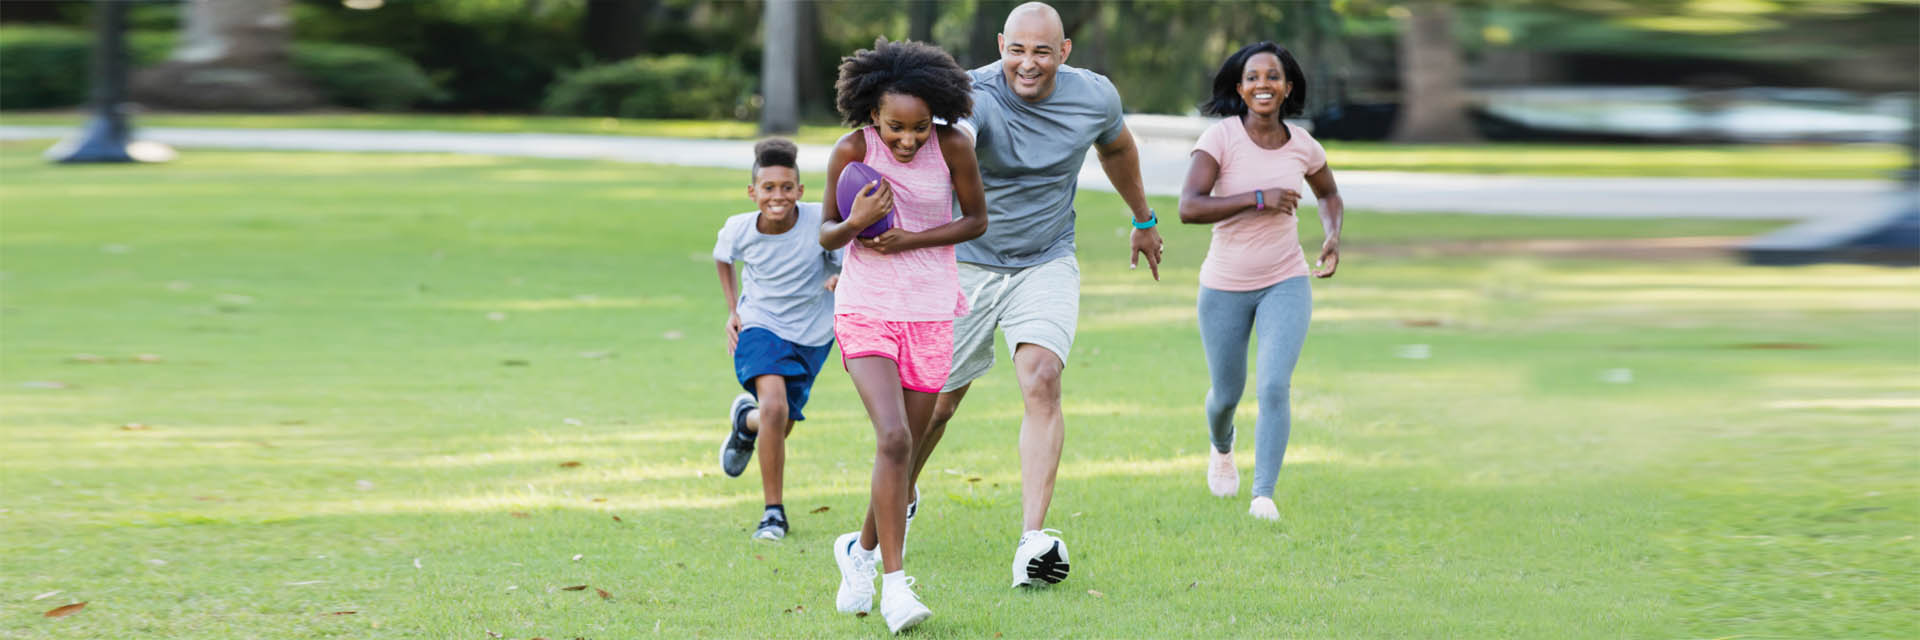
x=782 y=276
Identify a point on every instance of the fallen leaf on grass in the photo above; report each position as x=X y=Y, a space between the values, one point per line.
x=863 y=614
x=65 y=610
x=85 y=358
x=603 y=593
x=520 y=514
x=599 y=499
x=617 y=519
x=46 y=595
x=820 y=510
x=343 y=613
x=1193 y=584
x=148 y=358
x=580 y=587
x=491 y=634
x=570 y=464
x=973 y=479
x=134 y=426
x=1421 y=323
x=1096 y=594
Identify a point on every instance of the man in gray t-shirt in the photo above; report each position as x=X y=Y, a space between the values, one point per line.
x=1034 y=118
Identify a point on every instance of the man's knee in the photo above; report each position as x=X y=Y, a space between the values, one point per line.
x=1039 y=372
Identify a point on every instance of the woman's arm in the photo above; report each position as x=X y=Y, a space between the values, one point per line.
x=1333 y=211
x=957 y=148
x=1197 y=207
x=837 y=227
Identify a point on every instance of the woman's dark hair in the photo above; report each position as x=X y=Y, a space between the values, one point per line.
x=912 y=68
x=1226 y=82
x=775 y=152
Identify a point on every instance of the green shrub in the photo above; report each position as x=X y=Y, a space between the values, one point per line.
x=675 y=86
x=48 y=67
x=363 y=77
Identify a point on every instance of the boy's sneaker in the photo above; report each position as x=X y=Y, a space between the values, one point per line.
x=738 y=447
x=902 y=608
x=1222 y=477
x=856 y=574
x=772 y=527
x=1040 y=560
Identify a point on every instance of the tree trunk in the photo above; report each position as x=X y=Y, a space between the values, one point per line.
x=983 y=39
x=232 y=56
x=616 y=29
x=779 y=67
x=921 y=14
x=1433 y=92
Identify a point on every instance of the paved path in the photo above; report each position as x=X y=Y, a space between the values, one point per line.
x=1163 y=164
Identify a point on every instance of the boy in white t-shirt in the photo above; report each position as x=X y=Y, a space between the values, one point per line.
x=779 y=322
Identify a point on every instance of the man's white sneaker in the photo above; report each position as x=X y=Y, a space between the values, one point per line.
x=1040 y=559
x=901 y=607
x=1222 y=477
x=856 y=575
x=1264 y=509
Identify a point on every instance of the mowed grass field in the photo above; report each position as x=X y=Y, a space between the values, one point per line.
x=302 y=395
x=1791 y=161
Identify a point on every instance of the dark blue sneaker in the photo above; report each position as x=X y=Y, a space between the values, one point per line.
x=737 y=450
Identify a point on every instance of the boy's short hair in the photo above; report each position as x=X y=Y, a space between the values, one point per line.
x=775 y=152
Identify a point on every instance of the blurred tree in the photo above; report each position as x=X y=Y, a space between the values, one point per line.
x=616 y=29
x=232 y=55
x=1433 y=99
x=921 y=14
x=779 y=67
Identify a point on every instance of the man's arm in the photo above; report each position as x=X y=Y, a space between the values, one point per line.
x=1120 y=158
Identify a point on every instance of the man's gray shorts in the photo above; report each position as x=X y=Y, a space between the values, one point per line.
x=1037 y=305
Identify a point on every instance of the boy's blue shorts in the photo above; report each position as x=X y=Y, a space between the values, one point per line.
x=761 y=353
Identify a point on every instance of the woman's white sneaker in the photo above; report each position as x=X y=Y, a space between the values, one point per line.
x=1223 y=478
x=1263 y=509
x=856 y=574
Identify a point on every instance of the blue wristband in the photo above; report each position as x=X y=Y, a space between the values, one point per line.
x=1153 y=219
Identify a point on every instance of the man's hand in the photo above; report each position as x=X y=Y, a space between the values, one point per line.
x=1329 y=258
x=1146 y=242
x=733 y=332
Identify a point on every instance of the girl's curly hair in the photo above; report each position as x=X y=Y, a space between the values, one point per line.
x=917 y=69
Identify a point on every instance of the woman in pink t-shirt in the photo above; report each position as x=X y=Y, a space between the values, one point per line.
x=899 y=291
x=1245 y=181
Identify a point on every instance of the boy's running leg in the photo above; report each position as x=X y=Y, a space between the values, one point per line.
x=774 y=425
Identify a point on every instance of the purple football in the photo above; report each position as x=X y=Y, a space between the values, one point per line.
x=853 y=178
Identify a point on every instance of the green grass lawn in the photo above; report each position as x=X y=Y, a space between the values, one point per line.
x=1857 y=161
x=361 y=380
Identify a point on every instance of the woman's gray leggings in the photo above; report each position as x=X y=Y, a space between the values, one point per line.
x=1280 y=313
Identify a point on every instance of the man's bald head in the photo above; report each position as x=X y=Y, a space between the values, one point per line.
x=1031 y=50
x=1037 y=18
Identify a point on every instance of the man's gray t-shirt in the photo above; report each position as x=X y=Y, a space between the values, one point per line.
x=783 y=283
x=1030 y=158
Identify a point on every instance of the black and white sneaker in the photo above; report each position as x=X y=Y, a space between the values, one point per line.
x=1040 y=560
x=737 y=450
x=773 y=526
x=912 y=509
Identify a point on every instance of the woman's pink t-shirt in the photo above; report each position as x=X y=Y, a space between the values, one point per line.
x=918 y=285
x=1255 y=249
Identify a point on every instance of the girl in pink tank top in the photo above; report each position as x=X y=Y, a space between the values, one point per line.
x=899 y=291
